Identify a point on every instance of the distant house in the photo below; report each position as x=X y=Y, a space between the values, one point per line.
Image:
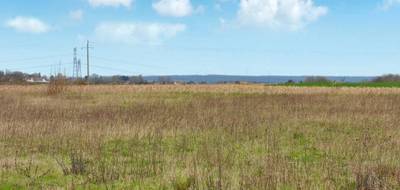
x=37 y=80
x=178 y=82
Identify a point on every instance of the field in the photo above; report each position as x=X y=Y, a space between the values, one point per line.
x=199 y=137
x=345 y=84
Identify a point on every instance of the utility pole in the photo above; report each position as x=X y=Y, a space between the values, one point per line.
x=79 y=70
x=59 y=69
x=87 y=56
x=88 y=61
x=75 y=68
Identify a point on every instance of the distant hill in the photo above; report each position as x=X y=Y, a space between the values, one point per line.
x=253 y=79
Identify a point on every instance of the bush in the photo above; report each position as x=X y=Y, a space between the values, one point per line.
x=183 y=183
x=316 y=79
x=78 y=164
x=387 y=78
x=57 y=85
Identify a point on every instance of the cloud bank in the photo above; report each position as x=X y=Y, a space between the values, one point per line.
x=27 y=24
x=112 y=3
x=134 y=33
x=279 y=13
x=174 y=8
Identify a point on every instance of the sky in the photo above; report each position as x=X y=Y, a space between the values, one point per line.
x=182 y=37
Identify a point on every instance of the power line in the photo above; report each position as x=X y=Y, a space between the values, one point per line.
x=108 y=68
x=37 y=66
x=33 y=58
x=76 y=71
x=23 y=45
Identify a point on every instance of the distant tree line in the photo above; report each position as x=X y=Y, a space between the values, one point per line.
x=117 y=79
x=321 y=79
x=316 y=79
x=17 y=77
x=387 y=78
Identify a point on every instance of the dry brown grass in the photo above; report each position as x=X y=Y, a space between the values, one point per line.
x=199 y=137
x=57 y=85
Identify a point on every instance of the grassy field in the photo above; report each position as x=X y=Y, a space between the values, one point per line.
x=345 y=84
x=199 y=137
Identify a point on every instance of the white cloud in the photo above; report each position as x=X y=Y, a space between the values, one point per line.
x=279 y=13
x=76 y=15
x=175 y=8
x=112 y=3
x=387 y=4
x=134 y=33
x=27 y=24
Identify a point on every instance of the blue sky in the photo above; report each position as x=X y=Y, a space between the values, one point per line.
x=235 y=37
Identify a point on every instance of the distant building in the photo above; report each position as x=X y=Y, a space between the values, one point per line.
x=179 y=82
x=36 y=80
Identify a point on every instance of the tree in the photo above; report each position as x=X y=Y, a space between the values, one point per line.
x=164 y=80
x=96 y=79
x=2 y=74
x=316 y=79
x=387 y=78
x=138 y=80
x=290 y=81
x=16 y=77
